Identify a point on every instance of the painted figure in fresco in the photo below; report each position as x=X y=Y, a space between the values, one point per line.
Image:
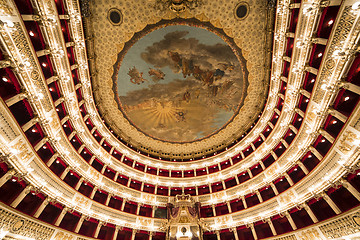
x=226 y=66
x=187 y=67
x=136 y=76
x=156 y=75
x=186 y=96
x=175 y=57
x=207 y=77
x=180 y=116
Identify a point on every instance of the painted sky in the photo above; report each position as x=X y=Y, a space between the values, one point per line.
x=196 y=92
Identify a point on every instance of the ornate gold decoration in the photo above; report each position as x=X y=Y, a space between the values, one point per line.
x=346 y=142
x=340 y=227
x=330 y=63
x=14 y=223
x=356 y=219
x=35 y=75
x=5 y=8
x=218 y=195
x=223 y=220
x=184 y=220
x=148 y=197
x=202 y=17
x=272 y=170
x=63 y=236
x=5 y=63
x=177 y=6
x=143 y=222
x=311 y=234
x=23 y=151
x=94 y=174
x=286 y=198
x=18 y=225
x=184 y=217
x=81 y=201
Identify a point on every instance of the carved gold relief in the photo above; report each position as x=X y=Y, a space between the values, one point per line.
x=18 y=225
x=346 y=142
x=356 y=220
x=341 y=226
x=288 y=101
x=177 y=6
x=330 y=63
x=94 y=174
x=186 y=14
x=169 y=15
x=311 y=234
x=272 y=170
x=216 y=23
x=223 y=220
x=143 y=222
x=311 y=116
x=229 y=32
x=184 y=220
x=63 y=236
x=35 y=75
x=81 y=201
x=202 y=17
x=148 y=197
x=23 y=151
x=286 y=198
x=13 y=223
x=5 y=8
x=218 y=195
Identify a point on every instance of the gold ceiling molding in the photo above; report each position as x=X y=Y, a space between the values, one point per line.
x=202 y=17
x=177 y=6
x=108 y=41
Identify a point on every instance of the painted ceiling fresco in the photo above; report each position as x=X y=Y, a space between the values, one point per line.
x=180 y=83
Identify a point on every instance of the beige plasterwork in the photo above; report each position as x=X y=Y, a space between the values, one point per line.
x=248 y=34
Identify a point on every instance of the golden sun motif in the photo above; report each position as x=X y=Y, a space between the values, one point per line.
x=163 y=114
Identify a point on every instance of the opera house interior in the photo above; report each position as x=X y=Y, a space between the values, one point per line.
x=179 y=119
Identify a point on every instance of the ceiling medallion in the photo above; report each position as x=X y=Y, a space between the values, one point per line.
x=180 y=82
x=177 y=6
